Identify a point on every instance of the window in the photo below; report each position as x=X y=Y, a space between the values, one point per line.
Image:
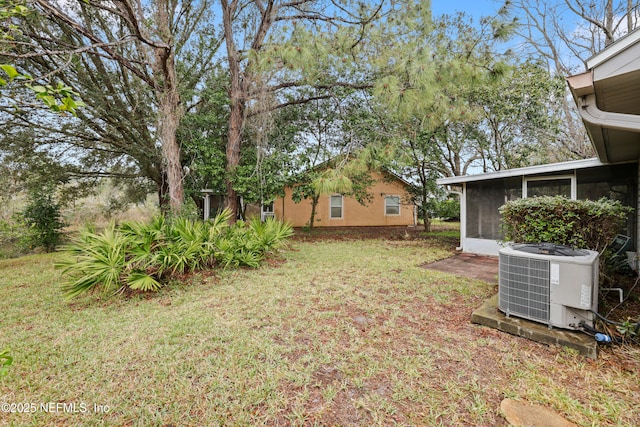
x=550 y=186
x=268 y=208
x=484 y=198
x=336 y=207
x=267 y=211
x=614 y=182
x=392 y=205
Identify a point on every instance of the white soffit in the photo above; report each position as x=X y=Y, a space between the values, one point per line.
x=614 y=49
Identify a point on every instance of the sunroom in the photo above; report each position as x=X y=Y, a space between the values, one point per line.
x=483 y=194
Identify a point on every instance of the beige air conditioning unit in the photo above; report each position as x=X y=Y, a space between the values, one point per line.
x=552 y=284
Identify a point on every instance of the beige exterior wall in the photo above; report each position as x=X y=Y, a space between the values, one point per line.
x=353 y=213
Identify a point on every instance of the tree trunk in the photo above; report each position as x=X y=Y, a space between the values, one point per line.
x=608 y=23
x=314 y=204
x=233 y=154
x=170 y=111
x=163 y=194
x=426 y=218
x=630 y=16
x=237 y=101
x=169 y=120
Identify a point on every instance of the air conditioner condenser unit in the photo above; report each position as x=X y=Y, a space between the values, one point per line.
x=552 y=284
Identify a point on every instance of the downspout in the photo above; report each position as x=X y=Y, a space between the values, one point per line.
x=594 y=116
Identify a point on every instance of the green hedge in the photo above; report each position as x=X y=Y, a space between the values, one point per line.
x=585 y=224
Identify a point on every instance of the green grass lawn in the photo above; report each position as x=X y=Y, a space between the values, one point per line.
x=342 y=332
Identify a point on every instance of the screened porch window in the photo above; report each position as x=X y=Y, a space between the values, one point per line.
x=614 y=182
x=483 y=201
x=556 y=186
x=336 y=207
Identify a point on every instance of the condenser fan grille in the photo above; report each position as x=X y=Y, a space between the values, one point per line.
x=524 y=287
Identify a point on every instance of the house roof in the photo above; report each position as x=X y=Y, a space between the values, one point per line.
x=398 y=177
x=382 y=170
x=607 y=98
x=527 y=171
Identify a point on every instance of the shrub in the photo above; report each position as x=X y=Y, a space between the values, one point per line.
x=143 y=256
x=448 y=209
x=248 y=243
x=12 y=234
x=583 y=224
x=100 y=261
x=43 y=218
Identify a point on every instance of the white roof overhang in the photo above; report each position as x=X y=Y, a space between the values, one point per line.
x=607 y=98
x=549 y=169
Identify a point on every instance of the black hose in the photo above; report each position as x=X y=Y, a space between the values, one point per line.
x=604 y=319
x=589 y=330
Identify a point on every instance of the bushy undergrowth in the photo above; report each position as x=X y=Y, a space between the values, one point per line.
x=583 y=224
x=38 y=225
x=144 y=256
x=43 y=219
x=448 y=210
x=12 y=236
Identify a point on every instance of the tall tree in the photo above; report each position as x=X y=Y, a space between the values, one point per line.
x=129 y=43
x=267 y=154
x=432 y=72
x=518 y=120
x=565 y=34
x=289 y=52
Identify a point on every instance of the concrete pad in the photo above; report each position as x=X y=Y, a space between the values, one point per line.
x=478 y=267
x=523 y=414
x=489 y=315
x=486 y=268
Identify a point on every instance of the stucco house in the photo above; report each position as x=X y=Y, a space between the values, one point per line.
x=389 y=206
x=607 y=98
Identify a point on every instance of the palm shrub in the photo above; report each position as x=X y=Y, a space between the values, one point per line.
x=143 y=256
x=247 y=243
x=270 y=234
x=105 y=261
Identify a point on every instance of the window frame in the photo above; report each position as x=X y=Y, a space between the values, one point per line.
x=331 y=206
x=386 y=205
x=572 y=182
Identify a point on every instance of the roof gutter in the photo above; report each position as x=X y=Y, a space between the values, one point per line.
x=599 y=121
x=618 y=121
x=596 y=120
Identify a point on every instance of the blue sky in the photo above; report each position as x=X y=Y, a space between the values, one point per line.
x=476 y=8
